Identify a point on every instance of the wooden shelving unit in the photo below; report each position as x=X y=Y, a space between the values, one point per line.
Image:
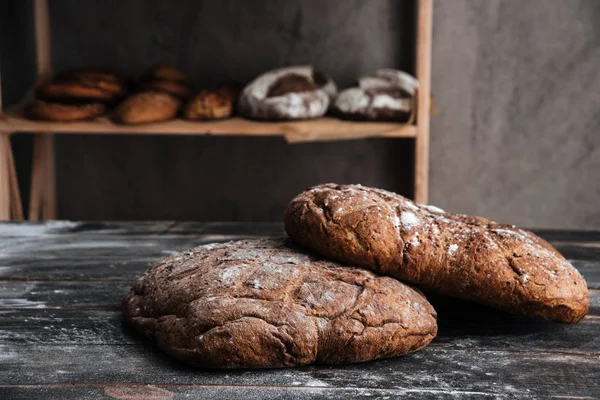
x=43 y=197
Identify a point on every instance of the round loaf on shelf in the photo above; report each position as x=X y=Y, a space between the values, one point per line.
x=287 y=94
x=95 y=74
x=265 y=303
x=388 y=96
x=46 y=111
x=210 y=104
x=104 y=91
x=147 y=107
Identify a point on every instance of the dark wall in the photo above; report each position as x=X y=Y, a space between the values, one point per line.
x=203 y=178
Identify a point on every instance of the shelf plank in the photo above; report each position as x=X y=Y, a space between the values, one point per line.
x=321 y=129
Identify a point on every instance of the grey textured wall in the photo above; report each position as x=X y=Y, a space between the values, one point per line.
x=516 y=84
x=517 y=137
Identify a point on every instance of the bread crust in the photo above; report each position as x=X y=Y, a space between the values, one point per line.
x=265 y=303
x=147 y=107
x=165 y=73
x=210 y=105
x=82 y=90
x=384 y=104
x=46 y=111
x=290 y=93
x=467 y=257
x=95 y=74
x=173 y=88
x=387 y=96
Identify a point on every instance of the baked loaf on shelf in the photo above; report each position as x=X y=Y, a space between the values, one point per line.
x=265 y=303
x=166 y=79
x=467 y=257
x=211 y=104
x=147 y=107
x=96 y=74
x=387 y=96
x=177 y=89
x=287 y=94
x=78 y=94
x=45 y=111
x=85 y=84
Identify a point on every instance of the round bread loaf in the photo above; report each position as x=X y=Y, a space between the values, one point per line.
x=147 y=107
x=467 y=257
x=264 y=303
x=46 y=111
x=210 y=104
x=388 y=96
x=287 y=94
x=94 y=74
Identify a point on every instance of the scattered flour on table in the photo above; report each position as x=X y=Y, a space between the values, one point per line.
x=22 y=303
x=35 y=229
x=315 y=382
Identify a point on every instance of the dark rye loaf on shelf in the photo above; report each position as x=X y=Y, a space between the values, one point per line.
x=265 y=303
x=291 y=93
x=467 y=257
x=52 y=111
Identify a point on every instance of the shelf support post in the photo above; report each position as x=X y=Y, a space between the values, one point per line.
x=42 y=203
x=10 y=196
x=4 y=177
x=423 y=72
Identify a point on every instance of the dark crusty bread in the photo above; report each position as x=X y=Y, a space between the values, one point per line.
x=147 y=107
x=81 y=89
x=46 y=111
x=105 y=85
x=210 y=104
x=291 y=83
x=289 y=93
x=265 y=303
x=94 y=74
x=380 y=104
x=387 y=96
x=468 y=257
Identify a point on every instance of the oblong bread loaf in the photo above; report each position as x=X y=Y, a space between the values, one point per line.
x=467 y=257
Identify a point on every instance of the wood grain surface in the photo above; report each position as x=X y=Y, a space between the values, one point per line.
x=62 y=334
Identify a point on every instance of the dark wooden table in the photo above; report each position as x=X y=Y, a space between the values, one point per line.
x=62 y=334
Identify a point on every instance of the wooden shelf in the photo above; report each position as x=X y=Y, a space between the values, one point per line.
x=42 y=202
x=309 y=130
